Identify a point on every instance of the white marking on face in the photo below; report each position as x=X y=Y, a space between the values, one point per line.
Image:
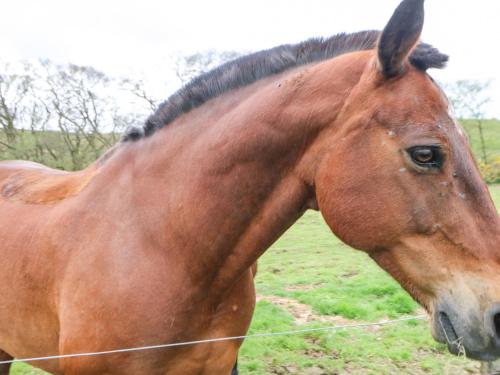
x=391 y=133
x=402 y=170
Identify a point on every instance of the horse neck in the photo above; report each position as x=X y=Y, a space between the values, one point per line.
x=230 y=177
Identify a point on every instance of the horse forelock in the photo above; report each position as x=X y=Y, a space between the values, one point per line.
x=253 y=67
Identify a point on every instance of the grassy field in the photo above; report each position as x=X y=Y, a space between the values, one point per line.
x=491 y=137
x=310 y=279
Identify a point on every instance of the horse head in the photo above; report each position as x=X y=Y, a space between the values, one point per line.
x=398 y=181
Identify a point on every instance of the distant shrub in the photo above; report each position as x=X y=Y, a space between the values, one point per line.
x=491 y=170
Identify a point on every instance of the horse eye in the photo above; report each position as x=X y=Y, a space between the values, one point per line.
x=426 y=156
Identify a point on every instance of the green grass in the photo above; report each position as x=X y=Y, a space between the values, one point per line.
x=24 y=369
x=491 y=137
x=495 y=193
x=50 y=148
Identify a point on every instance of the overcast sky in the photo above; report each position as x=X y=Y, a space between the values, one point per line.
x=139 y=38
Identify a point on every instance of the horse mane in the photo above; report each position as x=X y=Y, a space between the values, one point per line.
x=253 y=67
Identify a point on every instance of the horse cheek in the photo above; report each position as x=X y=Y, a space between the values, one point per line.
x=356 y=210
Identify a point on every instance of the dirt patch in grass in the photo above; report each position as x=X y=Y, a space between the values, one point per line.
x=302 y=288
x=349 y=274
x=315 y=370
x=302 y=313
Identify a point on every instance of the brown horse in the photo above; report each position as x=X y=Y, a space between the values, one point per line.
x=154 y=243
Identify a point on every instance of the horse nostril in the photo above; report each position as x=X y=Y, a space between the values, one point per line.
x=447 y=326
x=496 y=322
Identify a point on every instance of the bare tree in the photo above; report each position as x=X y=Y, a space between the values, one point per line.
x=189 y=66
x=138 y=89
x=65 y=115
x=13 y=89
x=469 y=99
x=73 y=100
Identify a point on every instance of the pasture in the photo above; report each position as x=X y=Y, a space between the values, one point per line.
x=310 y=279
x=491 y=137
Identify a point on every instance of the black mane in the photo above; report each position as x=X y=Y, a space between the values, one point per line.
x=248 y=69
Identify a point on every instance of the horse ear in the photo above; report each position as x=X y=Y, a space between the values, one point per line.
x=400 y=36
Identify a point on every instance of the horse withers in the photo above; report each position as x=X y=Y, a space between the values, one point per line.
x=155 y=242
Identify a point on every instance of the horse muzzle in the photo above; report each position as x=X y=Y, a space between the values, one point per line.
x=470 y=333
